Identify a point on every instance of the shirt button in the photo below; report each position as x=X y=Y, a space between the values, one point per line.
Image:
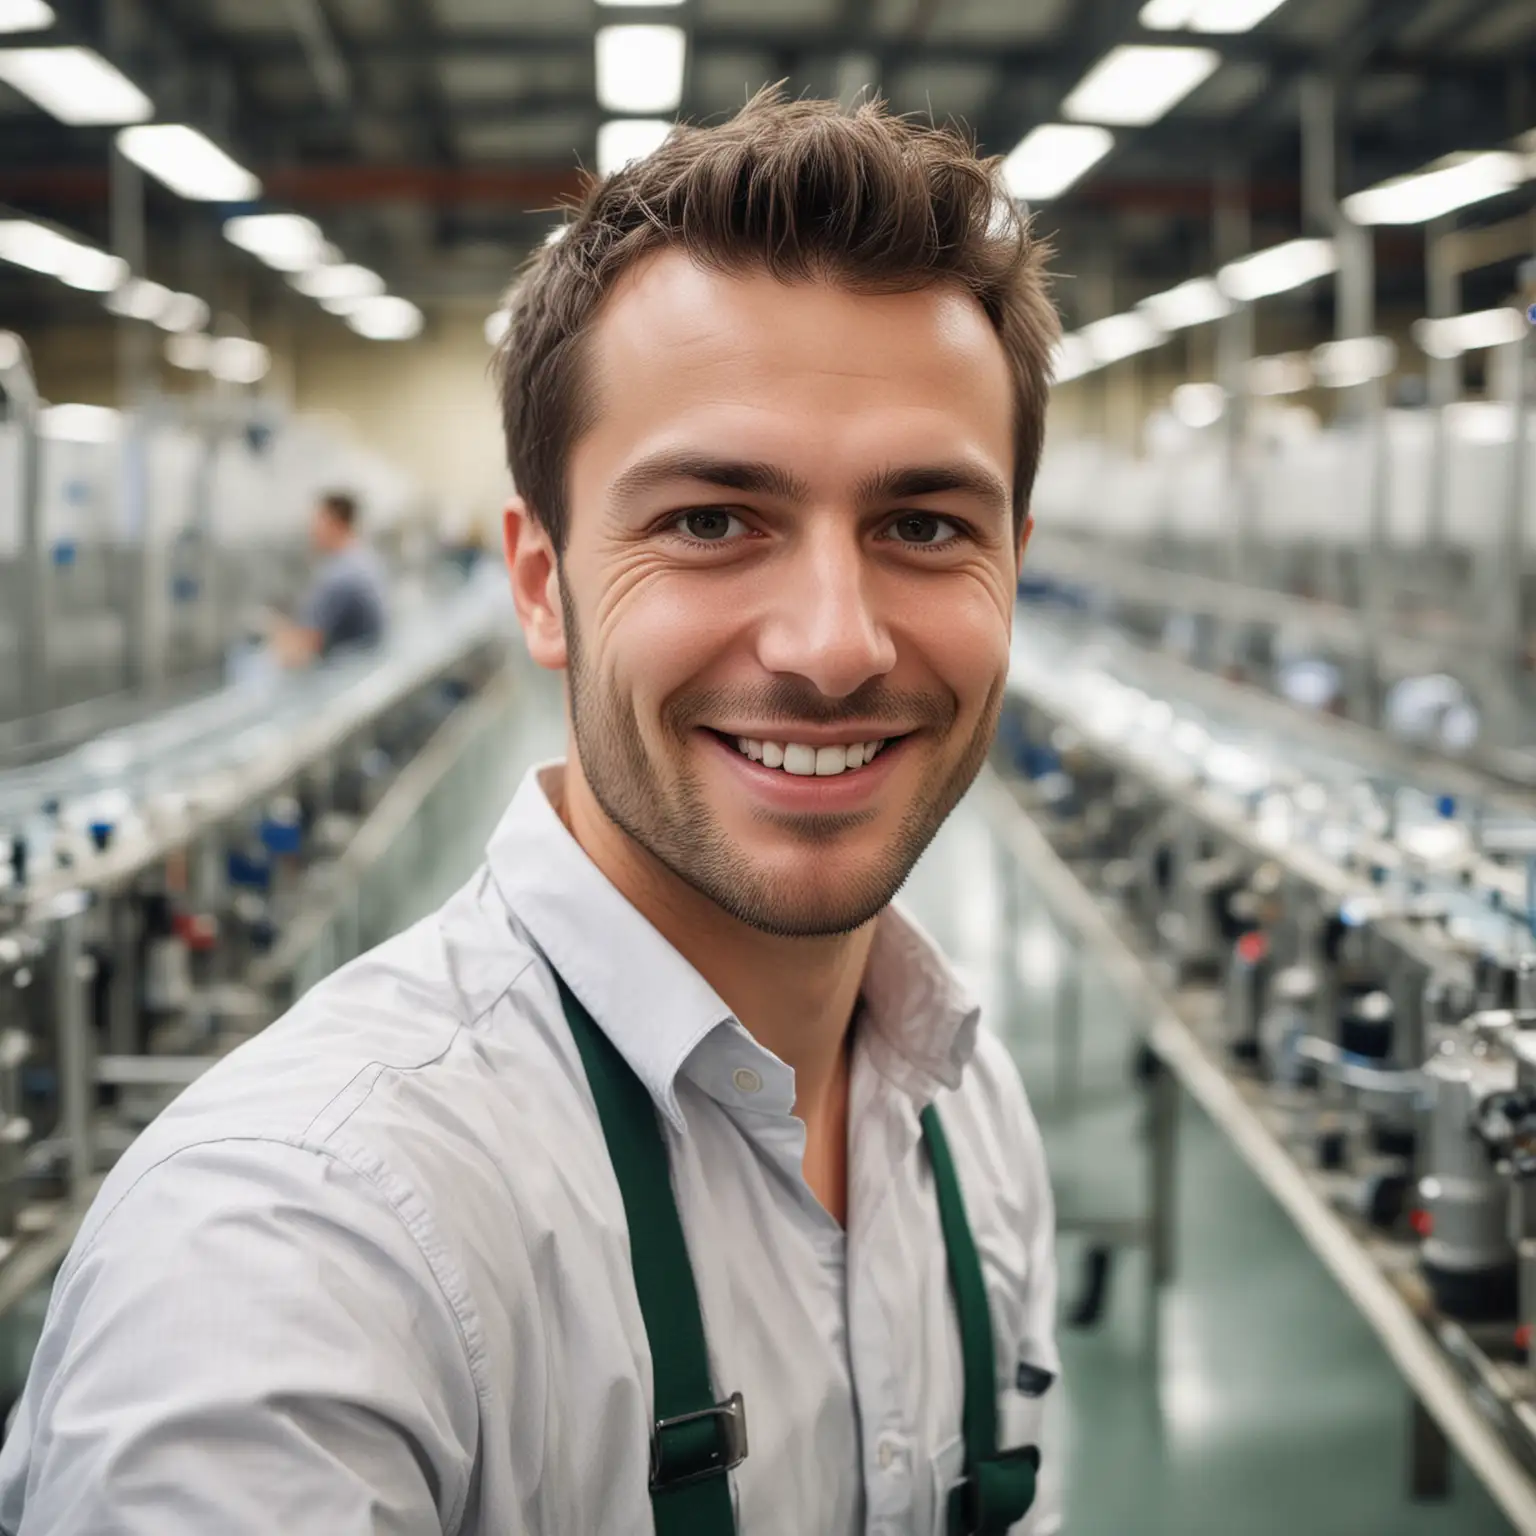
x=746 y=1080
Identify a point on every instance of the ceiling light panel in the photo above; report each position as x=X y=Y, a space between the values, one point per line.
x=24 y=16
x=1212 y=16
x=640 y=68
x=344 y=281
x=386 y=319
x=1121 y=336
x=139 y=299
x=1455 y=334
x=183 y=312
x=1072 y=358
x=1448 y=184
x=45 y=250
x=1197 y=302
x=1050 y=158
x=238 y=360
x=1278 y=270
x=1135 y=84
x=75 y=85
x=1353 y=361
x=189 y=163
x=626 y=139
x=286 y=242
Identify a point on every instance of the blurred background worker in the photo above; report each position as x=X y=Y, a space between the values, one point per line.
x=346 y=606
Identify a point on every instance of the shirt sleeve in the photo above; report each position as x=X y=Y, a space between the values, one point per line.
x=252 y=1341
x=326 y=603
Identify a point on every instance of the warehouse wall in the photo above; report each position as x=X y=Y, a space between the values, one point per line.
x=428 y=405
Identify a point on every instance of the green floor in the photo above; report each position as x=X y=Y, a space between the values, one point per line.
x=1273 y=1410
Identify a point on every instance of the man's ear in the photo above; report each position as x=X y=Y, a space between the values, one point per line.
x=535 y=576
x=1025 y=529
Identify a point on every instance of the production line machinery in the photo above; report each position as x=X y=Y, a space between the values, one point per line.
x=168 y=889
x=1337 y=932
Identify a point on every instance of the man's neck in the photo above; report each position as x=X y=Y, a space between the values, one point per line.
x=794 y=996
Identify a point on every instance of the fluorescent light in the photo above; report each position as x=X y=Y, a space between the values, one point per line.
x=80 y=423
x=139 y=299
x=640 y=69
x=1072 y=359
x=1198 y=405
x=1355 y=360
x=190 y=164
x=1121 y=336
x=346 y=303
x=1134 y=84
x=1448 y=184
x=496 y=326
x=1455 y=334
x=1287 y=374
x=75 y=85
x=1206 y=15
x=627 y=139
x=1048 y=159
x=24 y=16
x=1197 y=302
x=386 y=319
x=193 y=351
x=286 y=242
x=346 y=281
x=238 y=360
x=1278 y=269
x=183 y=312
x=45 y=250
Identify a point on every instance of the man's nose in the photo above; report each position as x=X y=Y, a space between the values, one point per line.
x=823 y=623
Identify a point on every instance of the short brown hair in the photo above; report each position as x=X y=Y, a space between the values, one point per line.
x=341 y=505
x=875 y=202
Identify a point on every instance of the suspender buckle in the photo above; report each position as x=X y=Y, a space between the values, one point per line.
x=698 y=1445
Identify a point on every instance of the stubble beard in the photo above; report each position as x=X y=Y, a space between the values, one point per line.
x=668 y=814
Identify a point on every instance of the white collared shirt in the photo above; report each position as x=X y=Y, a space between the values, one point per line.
x=370 y=1274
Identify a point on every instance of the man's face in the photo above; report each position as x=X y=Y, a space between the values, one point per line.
x=790 y=528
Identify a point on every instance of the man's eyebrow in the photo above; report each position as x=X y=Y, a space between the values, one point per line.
x=901 y=483
x=752 y=476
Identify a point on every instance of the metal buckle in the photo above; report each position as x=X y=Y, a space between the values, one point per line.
x=732 y=1414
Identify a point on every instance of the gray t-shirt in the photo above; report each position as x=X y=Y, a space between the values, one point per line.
x=346 y=603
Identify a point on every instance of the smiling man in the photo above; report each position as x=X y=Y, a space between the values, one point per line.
x=663 y=1179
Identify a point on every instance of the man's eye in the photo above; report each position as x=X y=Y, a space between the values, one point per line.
x=924 y=528
x=709 y=525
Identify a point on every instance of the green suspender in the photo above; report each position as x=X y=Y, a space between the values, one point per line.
x=999 y=1486
x=695 y=1440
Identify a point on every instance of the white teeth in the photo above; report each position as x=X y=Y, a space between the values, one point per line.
x=799 y=760
x=806 y=761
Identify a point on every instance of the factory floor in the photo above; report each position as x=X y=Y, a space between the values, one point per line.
x=1272 y=1411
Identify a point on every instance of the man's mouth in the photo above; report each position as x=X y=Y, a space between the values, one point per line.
x=803 y=759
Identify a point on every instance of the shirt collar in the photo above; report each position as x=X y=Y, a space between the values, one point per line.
x=657 y=1009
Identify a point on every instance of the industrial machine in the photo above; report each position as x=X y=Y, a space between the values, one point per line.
x=1344 y=927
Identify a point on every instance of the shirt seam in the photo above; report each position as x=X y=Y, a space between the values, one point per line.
x=473 y=1357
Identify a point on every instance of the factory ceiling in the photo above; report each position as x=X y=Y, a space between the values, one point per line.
x=432 y=137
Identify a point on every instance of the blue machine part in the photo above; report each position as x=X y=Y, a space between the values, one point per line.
x=251 y=873
x=64 y=553
x=282 y=835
